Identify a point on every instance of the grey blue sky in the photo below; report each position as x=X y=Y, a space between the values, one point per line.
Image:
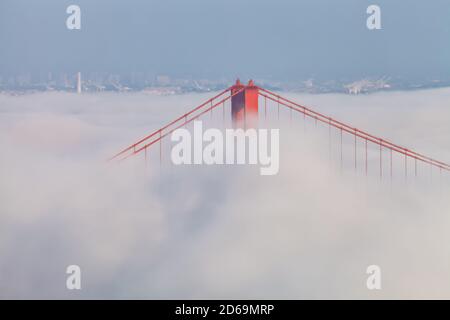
x=213 y=38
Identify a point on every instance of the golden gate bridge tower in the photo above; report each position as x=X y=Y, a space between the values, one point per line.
x=244 y=105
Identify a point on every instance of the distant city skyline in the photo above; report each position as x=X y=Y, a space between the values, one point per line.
x=283 y=39
x=164 y=84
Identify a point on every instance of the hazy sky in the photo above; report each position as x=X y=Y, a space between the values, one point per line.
x=285 y=39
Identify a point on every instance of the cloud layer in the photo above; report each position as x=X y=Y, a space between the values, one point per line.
x=141 y=231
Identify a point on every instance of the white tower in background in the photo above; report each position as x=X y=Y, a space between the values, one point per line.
x=79 y=82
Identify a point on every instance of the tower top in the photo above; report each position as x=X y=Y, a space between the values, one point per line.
x=238 y=83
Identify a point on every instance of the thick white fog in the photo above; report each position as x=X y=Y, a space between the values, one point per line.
x=145 y=230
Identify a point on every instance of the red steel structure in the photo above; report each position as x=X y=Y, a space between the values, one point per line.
x=244 y=112
x=244 y=105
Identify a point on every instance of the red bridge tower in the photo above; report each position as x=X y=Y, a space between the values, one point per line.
x=244 y=105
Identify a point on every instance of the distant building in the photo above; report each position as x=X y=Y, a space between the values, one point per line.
x=163 y=80
x=366 y=85
x=79 y=82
